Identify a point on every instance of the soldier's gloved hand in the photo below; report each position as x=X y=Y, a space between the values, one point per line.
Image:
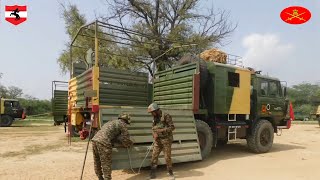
x=155 y=135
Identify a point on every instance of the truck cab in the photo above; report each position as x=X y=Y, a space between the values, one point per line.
x=268 y=100
x=10 y=110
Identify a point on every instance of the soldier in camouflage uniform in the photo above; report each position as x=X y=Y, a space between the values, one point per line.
x=112 y=132
x=162 y=128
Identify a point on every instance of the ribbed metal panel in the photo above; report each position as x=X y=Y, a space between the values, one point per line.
x=123 y=88
x=174 y=87
x=59 y=102
x=185 y=147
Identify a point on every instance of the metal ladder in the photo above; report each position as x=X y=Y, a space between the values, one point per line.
x=232 y=131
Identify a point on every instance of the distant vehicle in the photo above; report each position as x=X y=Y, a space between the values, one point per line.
x=301 y=117
x=10 y=110
x=59 y=101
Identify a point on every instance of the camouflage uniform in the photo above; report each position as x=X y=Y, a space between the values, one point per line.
x=110 y=133
x=164 y=139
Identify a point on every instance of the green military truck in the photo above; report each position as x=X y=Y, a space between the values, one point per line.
x=59 y=101
x=211 y=103
x=10 y=110
x=229 y=102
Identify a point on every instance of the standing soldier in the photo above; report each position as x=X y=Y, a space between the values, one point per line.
x=162 y=128
x=110 y=133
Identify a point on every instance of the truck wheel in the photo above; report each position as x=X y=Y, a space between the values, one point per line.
x=190 y=58
x=261 y=139
x=6 y=121
x=75 y=131
x=205 y=138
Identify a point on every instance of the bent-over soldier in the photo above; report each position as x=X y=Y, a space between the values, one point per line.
x=110 y=133
x=162 y=128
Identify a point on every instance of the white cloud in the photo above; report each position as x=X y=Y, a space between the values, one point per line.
x=266 y=51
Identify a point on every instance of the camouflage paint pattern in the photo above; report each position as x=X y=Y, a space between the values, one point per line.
x=218 y=96
x=102 y=160
x=114 y=131
x=162 y=128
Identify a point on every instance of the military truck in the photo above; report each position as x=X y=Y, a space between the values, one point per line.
x=211 y=103
x=10 y=110
x=59 y=101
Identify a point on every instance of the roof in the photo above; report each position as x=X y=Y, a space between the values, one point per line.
x=267 y=77
x=9 y=99
x=231 y=66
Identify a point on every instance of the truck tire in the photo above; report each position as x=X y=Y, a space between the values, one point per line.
x=205 y=138
x=75 y=131
x=190 y=58
x=261 y=139
x=6 y=121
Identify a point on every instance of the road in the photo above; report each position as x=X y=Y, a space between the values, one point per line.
x=42 y=153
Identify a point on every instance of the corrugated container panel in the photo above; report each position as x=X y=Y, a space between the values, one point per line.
x=60 y=102
x=184 y=149
x=174 y=87
x=123 y=88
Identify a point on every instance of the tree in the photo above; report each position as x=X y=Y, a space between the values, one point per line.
x=169 y=23
x=305 y=97
x=3 y=89
x=305 y=93
x=73 y=21
x=35 y=106
x=14 y=92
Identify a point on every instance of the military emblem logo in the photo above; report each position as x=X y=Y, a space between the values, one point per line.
x=16 y=14
x=295 y=15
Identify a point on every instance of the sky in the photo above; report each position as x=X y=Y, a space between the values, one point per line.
x=29 y=51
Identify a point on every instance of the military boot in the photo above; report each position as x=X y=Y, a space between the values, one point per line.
x=170 y=173
x=153 y=173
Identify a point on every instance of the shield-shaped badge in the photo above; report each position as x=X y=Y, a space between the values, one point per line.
x=16 y=14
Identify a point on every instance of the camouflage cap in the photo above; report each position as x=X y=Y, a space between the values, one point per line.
x=153 y=107
x=124 y=116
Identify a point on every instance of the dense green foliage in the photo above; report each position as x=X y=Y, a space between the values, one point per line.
x=32 y=105
x=305 y=98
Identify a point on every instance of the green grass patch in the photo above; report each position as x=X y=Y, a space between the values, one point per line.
x=33 y=122
x=304 y=122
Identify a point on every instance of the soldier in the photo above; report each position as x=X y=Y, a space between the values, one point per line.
x=162 y=128
x=110 y=133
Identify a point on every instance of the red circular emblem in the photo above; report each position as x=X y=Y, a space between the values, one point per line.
x=295 y=15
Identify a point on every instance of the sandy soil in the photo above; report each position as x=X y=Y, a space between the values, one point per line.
x=42 y=153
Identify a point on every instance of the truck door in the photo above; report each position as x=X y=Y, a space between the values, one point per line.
x=278 y=101
x=271 y=101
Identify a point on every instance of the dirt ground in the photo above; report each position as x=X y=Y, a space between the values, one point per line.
x=42 y=152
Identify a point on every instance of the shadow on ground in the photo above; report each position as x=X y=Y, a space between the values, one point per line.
x=229 y=151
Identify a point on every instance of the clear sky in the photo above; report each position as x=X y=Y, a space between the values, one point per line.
x=29 y=51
